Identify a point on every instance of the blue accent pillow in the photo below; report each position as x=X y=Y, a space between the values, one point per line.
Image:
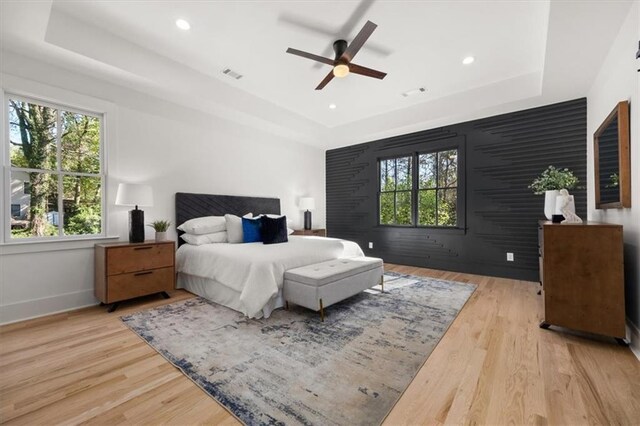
x=252 y=230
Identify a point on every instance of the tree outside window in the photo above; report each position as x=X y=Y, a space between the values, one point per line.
x=55 y=156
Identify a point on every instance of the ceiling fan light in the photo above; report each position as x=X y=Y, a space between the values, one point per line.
x=341 y=70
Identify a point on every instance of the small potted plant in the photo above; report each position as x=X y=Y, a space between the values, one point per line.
x=160 y=226
x=549 y=183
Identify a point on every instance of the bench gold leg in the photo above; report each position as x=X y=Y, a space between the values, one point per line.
x=286 y=305
x=321 y=311
x=382 y=284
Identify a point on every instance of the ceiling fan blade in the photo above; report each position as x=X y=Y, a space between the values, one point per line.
x=358 y=42
x=357 y=69
x=311 y=56
x=326 y=81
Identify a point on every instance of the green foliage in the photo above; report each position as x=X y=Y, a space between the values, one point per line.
x=49 y=231
x=160 y=225
x=614 y=180
x=553 y=179
x=83 y=220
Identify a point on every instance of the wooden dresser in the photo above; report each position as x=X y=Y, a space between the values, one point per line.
x=581 y=271
x=125 y=270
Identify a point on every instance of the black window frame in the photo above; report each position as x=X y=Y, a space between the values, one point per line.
x=461 y=225
x=436 y=188
x=395 y=191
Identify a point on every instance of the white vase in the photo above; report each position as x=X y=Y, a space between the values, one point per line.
x=161 y=236
x=550 y=203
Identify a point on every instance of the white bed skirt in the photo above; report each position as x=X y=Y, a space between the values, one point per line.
x=221 y=294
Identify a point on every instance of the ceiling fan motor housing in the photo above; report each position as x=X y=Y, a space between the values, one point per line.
x=339 y=46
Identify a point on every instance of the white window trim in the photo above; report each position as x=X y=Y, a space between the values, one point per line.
x=19 y=87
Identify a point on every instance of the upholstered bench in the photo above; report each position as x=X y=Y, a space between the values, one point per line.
x=323 y=284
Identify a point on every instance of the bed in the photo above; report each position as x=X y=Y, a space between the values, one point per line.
x=246 y=277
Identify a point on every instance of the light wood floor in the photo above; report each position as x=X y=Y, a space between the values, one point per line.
x=493 y=366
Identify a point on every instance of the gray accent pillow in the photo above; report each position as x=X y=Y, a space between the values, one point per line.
x=234 y=227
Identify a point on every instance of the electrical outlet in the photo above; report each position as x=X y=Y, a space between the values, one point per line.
x=509 y=257
x=370 y=245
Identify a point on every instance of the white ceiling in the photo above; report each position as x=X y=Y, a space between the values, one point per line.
x=527 y=53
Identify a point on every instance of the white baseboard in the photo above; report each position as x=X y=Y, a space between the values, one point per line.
x=35 y=308
x=634 y=338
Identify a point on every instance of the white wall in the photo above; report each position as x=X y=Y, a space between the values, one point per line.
x=619 y=80
x=170 y=147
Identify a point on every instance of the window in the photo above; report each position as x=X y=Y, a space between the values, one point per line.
x=438 y=188
x=56 y=169
x=396 y=191
x=427 y=196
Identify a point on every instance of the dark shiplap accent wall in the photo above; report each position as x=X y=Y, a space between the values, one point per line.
x=503 y=154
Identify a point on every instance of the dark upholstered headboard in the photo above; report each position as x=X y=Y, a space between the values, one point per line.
x=191 y=206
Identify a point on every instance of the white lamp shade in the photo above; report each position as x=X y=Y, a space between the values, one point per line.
x=307 y=203
x=134 y=195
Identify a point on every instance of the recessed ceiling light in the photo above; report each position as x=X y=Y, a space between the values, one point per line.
x=182 y=24
x=332 y=106
x=468 y=60
x=414 y=92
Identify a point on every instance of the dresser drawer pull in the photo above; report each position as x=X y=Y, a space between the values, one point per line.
x=143 y=273
x=143 y=248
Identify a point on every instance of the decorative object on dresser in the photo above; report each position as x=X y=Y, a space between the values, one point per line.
x=125 y=270
x=135 y=195
x=320 y=232
x=612 y=161
x=566 y=208
x=549 y=183
x=161 y=227
x=307 y=204
x=581 y=271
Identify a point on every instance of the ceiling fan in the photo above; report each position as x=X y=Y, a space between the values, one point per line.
x=342 y=64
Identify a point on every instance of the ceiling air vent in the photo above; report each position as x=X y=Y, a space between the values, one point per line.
x=414 y=92
x=232 y=73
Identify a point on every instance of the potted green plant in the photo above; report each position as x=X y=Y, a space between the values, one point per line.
x=549 y=183
x=161 y=227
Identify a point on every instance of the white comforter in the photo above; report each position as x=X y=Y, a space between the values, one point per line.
x=256 y=270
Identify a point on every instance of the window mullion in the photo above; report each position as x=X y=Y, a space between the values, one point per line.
x=395 y=191
x=414 y=189
x=59 y=169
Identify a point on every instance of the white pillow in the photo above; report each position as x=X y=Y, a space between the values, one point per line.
x=290 y=231
x=204 y=225
x=234 y=227
x=198 y=240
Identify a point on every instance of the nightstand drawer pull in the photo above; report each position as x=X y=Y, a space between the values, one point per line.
x=143 y=273
x=143 y=248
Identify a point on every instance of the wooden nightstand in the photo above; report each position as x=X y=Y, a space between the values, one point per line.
x=125 y=270
x=314 y=232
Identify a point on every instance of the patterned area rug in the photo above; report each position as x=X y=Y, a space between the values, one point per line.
x=294 y=369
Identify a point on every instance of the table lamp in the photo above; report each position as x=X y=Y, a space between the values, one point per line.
x=135 y=195
x=307 y=203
